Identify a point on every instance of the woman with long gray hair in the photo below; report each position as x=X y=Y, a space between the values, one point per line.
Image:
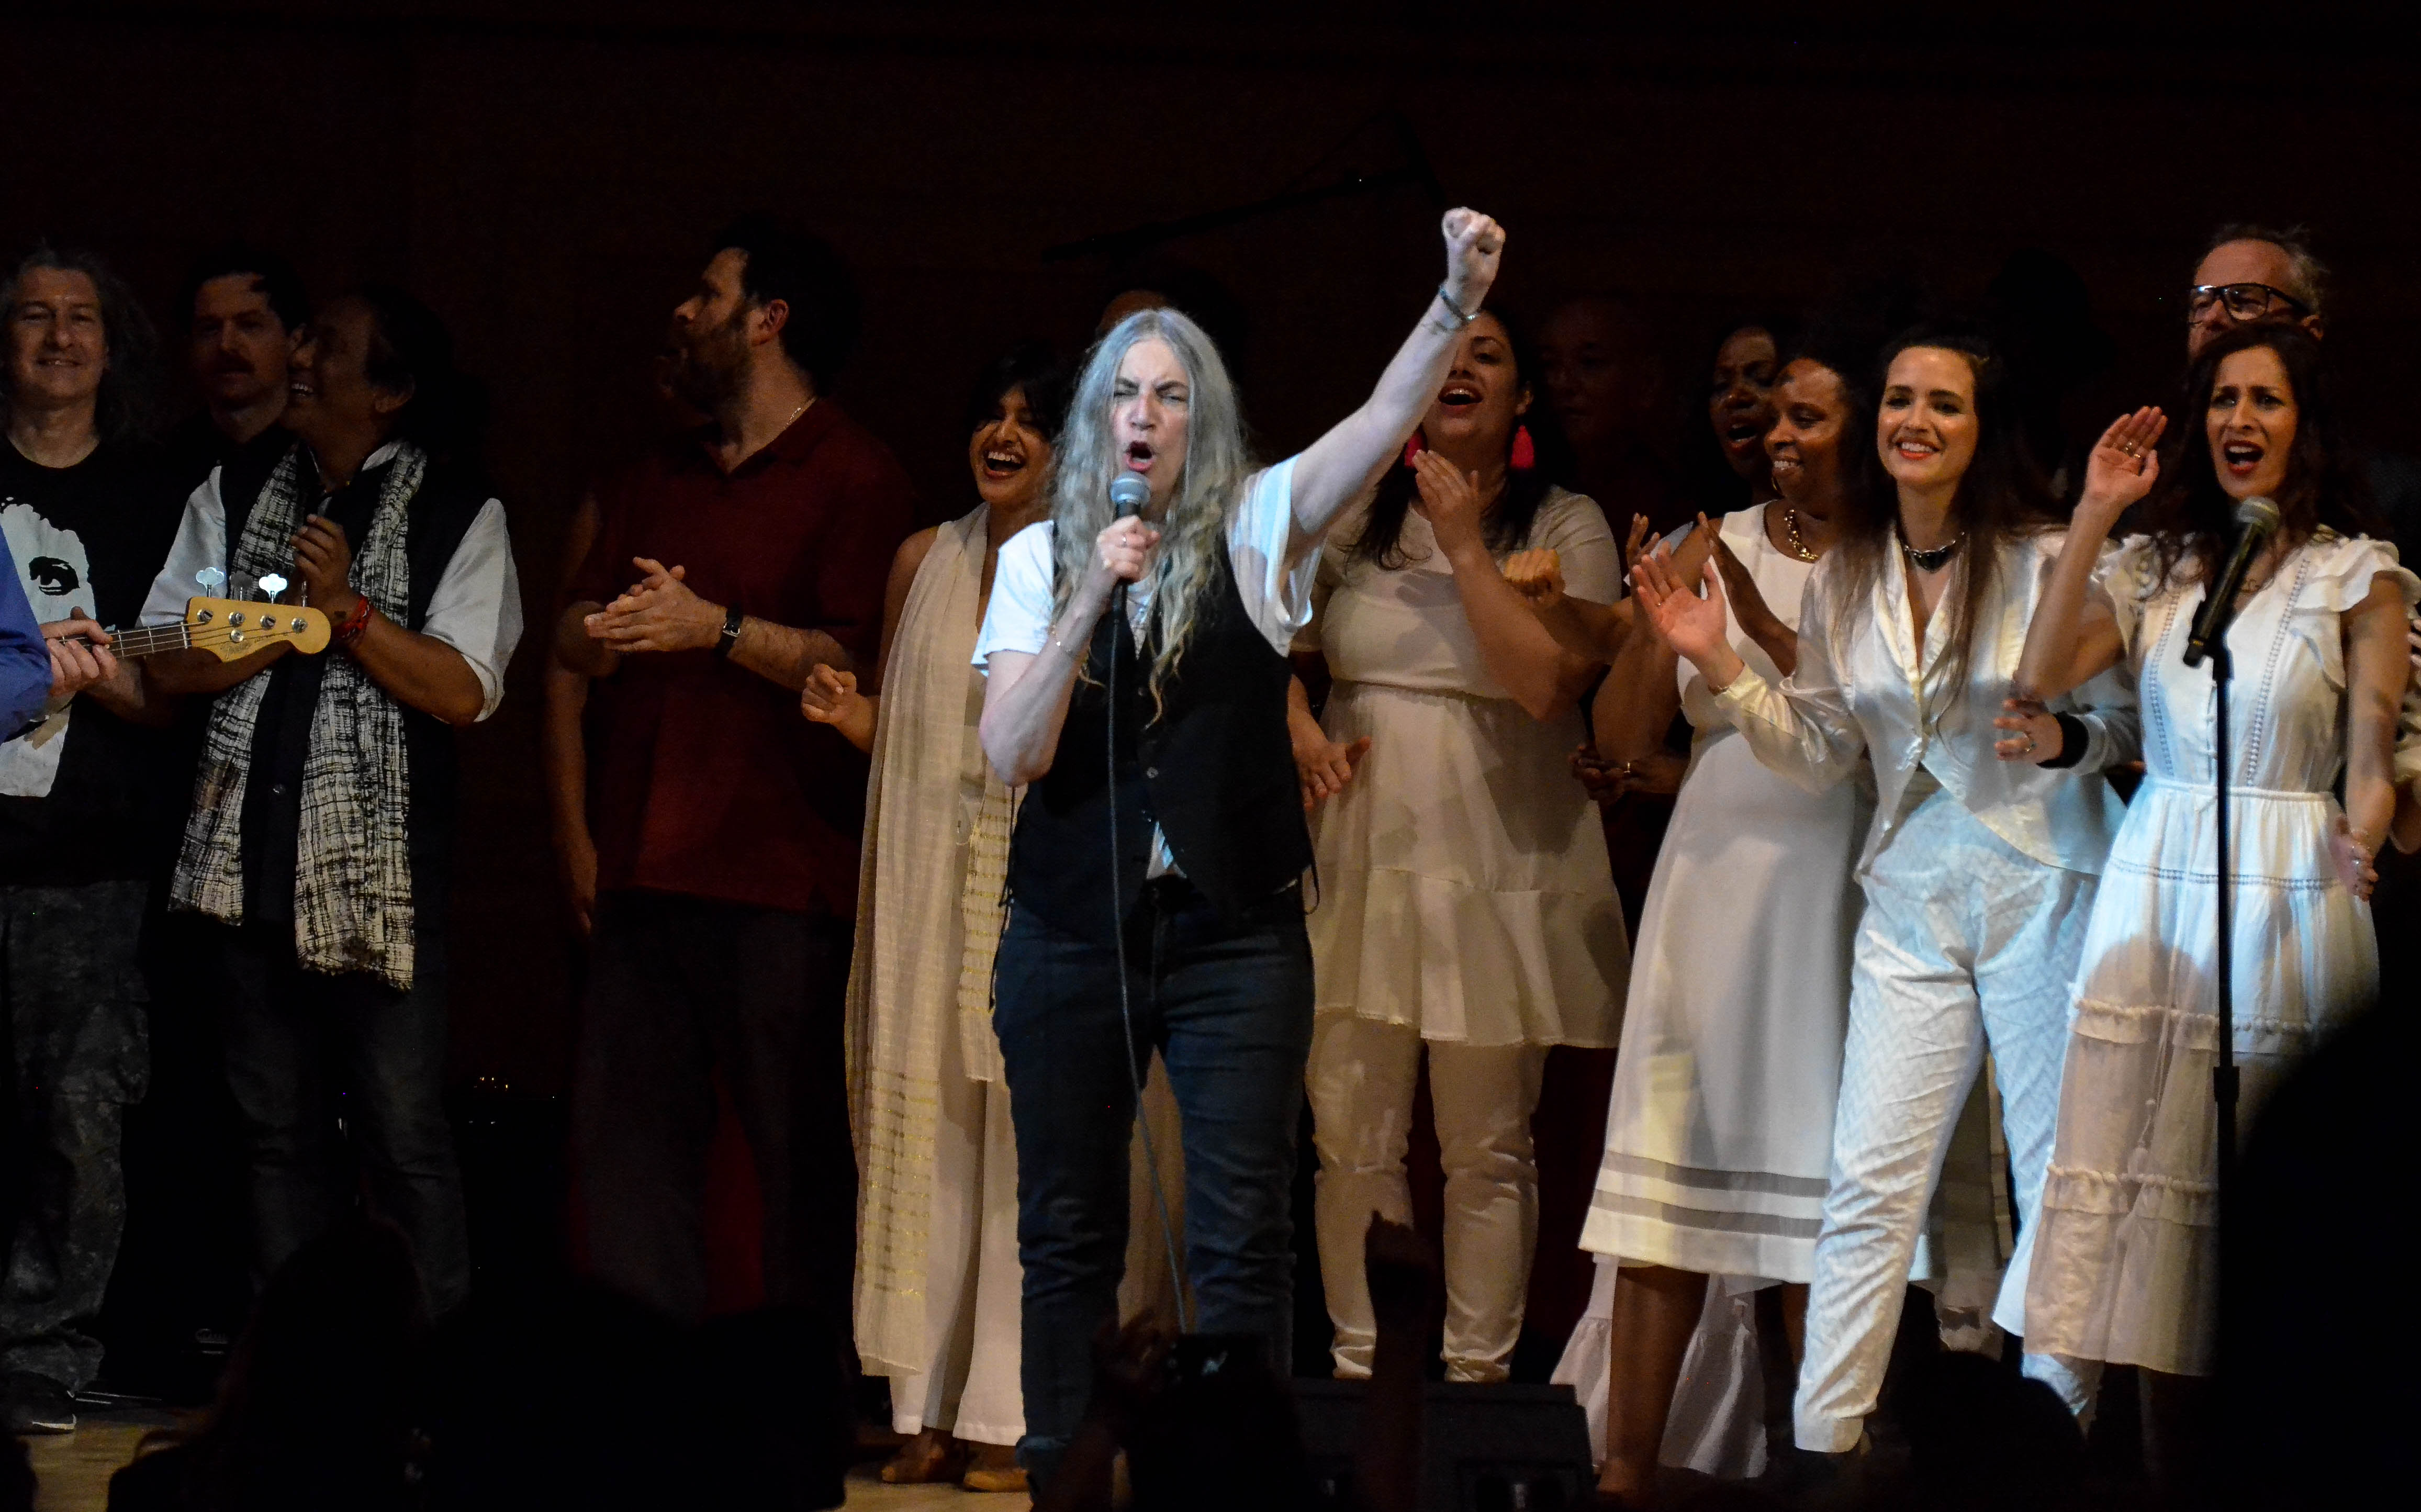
x=1156 y=867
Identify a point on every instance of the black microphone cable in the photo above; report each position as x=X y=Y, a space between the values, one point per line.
x=1118 y=934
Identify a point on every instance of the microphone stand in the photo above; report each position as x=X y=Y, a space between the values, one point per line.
x=2256 y=519
x=2223 y=1076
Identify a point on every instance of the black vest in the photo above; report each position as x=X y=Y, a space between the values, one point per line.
x=435 y=522
x=1215 y=768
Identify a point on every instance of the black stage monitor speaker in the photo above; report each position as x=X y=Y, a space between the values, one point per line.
x=1483 y=1448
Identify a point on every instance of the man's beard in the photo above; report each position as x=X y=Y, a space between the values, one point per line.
x=707 y=365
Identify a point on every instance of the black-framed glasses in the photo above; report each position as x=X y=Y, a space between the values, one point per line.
x=2245 y=302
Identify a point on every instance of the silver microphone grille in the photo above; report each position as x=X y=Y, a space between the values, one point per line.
x=1130 y=493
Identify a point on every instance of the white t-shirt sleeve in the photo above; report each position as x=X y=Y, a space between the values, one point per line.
x=1276 y=593
x=201 y=542
x=1019 y=616
x=1576 y=531
x=476 y=608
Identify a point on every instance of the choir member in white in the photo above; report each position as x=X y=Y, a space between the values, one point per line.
x=937 y=1268
x=2126 y=1265
x=1466 y=907
x=1977 y=875
x=1720 y=1134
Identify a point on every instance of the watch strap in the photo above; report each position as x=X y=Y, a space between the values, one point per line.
x=730 y=636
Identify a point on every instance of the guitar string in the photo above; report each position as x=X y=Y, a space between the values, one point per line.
x=148 y=640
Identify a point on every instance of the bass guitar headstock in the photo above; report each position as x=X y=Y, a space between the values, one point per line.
x=233 y=627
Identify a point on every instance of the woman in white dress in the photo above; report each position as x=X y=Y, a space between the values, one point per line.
x=937 y=1270
x=1465 y=907
x=2126 y=1267
x=1977 y=875
x=1720 y=1133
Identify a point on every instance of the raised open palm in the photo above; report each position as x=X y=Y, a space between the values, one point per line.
x=1692 y=626
x=2123 y=465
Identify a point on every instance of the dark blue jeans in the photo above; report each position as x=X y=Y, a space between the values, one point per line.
x=1228 y=1005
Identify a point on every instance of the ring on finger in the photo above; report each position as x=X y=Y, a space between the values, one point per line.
x=2030 y=743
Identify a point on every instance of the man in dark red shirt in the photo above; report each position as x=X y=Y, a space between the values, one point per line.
x=726 y=568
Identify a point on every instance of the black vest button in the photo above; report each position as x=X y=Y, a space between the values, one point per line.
x=1151 y=773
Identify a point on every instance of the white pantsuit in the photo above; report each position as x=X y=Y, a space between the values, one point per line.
x=1978 y=876
x=1965 y=941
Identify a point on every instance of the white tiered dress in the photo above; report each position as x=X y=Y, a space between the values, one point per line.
x=2126 y=1266
x=1463 y=886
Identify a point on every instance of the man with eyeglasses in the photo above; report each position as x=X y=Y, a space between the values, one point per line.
x=2254 y=275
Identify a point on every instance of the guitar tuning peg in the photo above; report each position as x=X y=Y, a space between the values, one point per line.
x=272 y=585
x=243 y=586
x=210 y=577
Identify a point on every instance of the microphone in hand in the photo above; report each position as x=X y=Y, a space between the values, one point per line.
x=1128 y=493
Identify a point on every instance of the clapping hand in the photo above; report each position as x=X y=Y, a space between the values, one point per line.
x=1473 y=244
x=660 y=613
x=1692 y=626
x=831 y=697
x=1450 y=503
x=1636 y=544
x=1538 y=576
x=2121 y=468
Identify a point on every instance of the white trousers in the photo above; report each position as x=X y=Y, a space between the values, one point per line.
x=1362 y=1076
x=972 y=1275
x=1967 y=940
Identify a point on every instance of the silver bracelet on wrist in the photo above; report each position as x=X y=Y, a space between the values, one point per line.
x=1462 y=316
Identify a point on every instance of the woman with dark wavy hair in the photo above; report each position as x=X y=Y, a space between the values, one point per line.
x=1978 y=874
x=1467 y=912
x=2126 y=1266
x=937 y=1273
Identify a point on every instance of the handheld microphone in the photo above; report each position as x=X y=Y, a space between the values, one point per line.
x=2256 y=520
x=1128 y=496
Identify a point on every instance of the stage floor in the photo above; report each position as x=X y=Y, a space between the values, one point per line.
x=73 y=1472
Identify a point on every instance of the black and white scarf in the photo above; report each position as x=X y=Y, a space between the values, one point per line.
x=353 y=887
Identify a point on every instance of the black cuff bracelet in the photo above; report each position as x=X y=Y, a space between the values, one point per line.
x=2074 y=737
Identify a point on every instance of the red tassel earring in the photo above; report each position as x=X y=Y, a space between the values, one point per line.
x=1525 y=454
x=1414 y=447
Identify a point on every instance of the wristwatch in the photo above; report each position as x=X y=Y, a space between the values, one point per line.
x=730 y=636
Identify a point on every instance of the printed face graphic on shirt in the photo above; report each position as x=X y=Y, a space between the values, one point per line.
x=52 y=576
x=58 y=576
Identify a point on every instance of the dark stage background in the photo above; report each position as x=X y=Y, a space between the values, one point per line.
x=544 y=174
